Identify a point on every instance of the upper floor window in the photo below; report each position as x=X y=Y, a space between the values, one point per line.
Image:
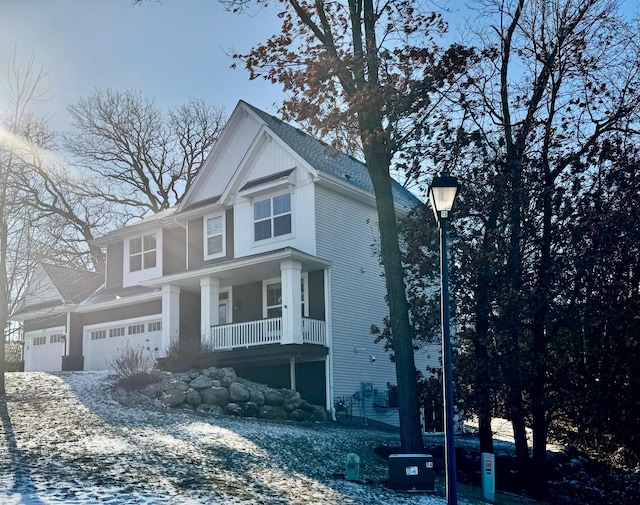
x=142 y=253
x=272 y=217
x=214 y=231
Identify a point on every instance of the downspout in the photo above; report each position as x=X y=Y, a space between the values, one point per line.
x=67 y=342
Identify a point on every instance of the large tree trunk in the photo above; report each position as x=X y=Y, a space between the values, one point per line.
x=481 y=338
x=401 y=329
x=539 y=350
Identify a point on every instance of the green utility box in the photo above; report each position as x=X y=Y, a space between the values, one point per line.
x=411 y=472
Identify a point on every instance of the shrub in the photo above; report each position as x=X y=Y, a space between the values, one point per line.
x=130 y=361
x=187 y=354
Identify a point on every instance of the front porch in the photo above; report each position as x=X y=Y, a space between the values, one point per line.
x=269 y=300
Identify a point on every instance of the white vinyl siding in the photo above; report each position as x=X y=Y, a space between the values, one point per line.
x=348 y=236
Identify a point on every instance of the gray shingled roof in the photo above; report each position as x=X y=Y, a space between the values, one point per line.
x=73 y=284
x=325 y=158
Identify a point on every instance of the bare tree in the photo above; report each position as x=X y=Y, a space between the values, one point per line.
x=147 y=158
x=23 y=84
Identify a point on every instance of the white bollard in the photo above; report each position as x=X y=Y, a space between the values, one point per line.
x=488 y=463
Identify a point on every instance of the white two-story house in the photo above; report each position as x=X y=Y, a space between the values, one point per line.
x=271 y=259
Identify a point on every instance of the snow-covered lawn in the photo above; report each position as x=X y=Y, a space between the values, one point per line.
x=63 y=439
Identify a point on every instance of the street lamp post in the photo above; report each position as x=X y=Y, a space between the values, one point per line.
x=442 y=194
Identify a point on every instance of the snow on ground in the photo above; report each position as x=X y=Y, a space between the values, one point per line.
x=64 y=440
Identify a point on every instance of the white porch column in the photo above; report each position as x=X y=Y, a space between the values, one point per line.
x=209 y=301
x=170 y=316
x=291 y=302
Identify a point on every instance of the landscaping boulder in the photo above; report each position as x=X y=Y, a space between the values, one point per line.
x=193 y=397
x=272 y=412
x=234 y=409
x=250 y=409
x=173 y=397
x=299 y=415
x=213 y=410
x=319 y=415
x=238 y=393
x=293 y=402
x=215 y=396
x=256 y=396
x=174 y=384
x=201 y=382
x=273 y=398
x=152 y=391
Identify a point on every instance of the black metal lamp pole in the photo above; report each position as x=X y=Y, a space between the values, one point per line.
x=442 y=194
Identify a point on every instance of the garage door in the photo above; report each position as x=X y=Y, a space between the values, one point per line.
x=43 y=350
x=102 y=344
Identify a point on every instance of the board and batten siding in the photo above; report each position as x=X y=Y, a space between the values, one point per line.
x=347 y=235
x=226 y=157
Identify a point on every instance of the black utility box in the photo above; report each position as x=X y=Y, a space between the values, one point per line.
x=411 y=472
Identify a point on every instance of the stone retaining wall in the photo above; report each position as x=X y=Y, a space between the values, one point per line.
x=219 y=391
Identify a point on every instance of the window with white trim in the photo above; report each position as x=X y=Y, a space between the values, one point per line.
x=56 y=337
x=214 y=237
x=273 y=297
x=154 y=326
x=272 y=217
x=136 y=329
x=40 y=340
x=98 y=334
x=116 y=332
x=142 y=253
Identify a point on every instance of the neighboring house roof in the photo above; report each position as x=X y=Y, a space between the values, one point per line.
x=68 y=286
x=329 y=160
x=74 y=285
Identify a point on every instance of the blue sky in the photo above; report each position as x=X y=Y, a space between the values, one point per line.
x=170 y=51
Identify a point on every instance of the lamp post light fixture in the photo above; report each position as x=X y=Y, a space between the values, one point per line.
x=442 y=194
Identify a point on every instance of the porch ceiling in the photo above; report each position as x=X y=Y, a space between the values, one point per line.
x=243 y=270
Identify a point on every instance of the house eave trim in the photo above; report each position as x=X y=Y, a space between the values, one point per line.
x=119 y=302
x=281 y=254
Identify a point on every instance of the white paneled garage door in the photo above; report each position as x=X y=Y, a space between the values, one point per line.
x=43 y=350
x=103 y=342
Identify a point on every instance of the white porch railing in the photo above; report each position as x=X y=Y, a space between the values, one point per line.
x=250 y=333
x=313 y=331
x=261 y=332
